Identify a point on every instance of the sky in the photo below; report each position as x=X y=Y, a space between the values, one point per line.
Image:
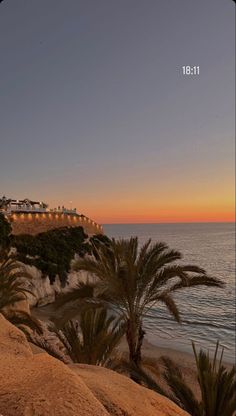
x=95 y=112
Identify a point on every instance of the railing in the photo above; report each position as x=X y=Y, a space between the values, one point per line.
x=72 y=218
x=25 y=209
x=11 y=210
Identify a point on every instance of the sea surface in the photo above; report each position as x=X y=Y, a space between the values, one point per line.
x=208 y=314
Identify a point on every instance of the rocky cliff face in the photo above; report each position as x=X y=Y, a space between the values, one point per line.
x=45 y=292
x=40 y=385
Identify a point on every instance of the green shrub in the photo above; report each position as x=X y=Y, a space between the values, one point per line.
x=52 y=251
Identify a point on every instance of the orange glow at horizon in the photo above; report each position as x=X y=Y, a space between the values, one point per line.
x=140 y=199
x=143 y=212
x=162 y=215
x=168 y=217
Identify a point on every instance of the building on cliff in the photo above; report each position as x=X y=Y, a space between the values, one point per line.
x=33 y=217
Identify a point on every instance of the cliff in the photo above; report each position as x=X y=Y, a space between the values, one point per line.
x=40 y=385
x=35 y=223
x=48 y=257
x=44 y=291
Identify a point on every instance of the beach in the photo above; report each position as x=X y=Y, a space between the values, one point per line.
x=185 y=360
x=150 y=352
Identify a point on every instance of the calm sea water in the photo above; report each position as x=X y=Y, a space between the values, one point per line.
x=207 y=314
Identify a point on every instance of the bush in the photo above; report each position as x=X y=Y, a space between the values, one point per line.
x=52 y=251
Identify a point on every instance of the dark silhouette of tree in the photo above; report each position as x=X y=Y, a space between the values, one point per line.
x=5 y=231
x=217 y=386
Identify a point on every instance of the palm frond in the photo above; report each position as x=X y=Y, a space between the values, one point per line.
x=93 y=339
x=217 y=386
x=181 y=394
x=24 y=321
x=14 y=287
x=198 y=280
x=46 y=345
x=82 y=291
x=170 y=304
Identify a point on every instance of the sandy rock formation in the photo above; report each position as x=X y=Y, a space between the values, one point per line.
x=40 y=385
x=121 y=396
x=21 y=305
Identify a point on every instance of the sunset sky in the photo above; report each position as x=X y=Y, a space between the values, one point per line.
x=95 y=112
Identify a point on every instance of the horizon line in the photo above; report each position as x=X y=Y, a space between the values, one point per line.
x=171 y=222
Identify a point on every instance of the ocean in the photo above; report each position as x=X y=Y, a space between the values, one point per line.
x=208 y=314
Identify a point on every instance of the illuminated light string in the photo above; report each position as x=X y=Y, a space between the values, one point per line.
x=48 y=215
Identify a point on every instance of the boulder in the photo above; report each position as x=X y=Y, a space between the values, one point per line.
x=40 y=385
x=121 y=396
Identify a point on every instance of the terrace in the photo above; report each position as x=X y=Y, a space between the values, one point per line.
x=10 y=206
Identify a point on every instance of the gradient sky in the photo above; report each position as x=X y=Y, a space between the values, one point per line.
x=94 y=108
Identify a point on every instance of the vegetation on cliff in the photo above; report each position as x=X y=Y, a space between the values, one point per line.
x=14 y=283
x=51 y=251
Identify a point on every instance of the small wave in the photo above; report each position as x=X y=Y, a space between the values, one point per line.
x=193 y=322
x=209 y=325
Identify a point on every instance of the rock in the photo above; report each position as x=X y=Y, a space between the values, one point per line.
x=21 y=305
x=12 y=342
x=35 y=349
x=40 y=385
x=45 y=292
x=121 y=396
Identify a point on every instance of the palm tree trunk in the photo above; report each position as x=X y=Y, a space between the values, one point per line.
x=141 y=334
x=134 y=336
x=130 y=336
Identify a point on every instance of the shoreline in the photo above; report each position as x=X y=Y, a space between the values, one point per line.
x=149 y=349
x=151 y=353
x=161 y=349
x=183 y=358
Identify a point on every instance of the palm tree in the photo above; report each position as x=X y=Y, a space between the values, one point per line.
x=217 y=386
x=13 y=279
x=131 y=281
x=12 y=283
x=93 y=340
